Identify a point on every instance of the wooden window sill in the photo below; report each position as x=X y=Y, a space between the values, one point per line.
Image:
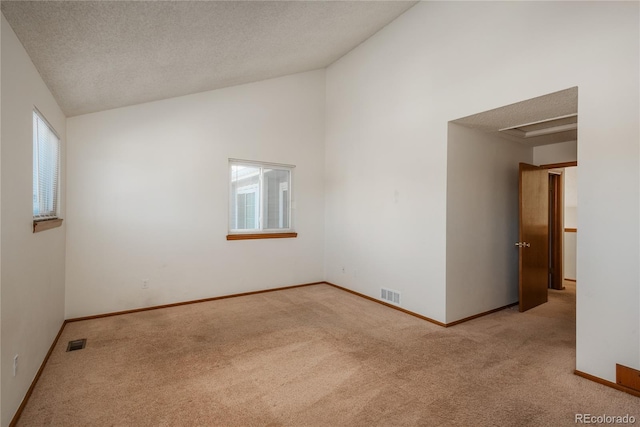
x=46 y=224
x=261 y=236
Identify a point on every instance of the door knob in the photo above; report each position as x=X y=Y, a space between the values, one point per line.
x=523 y=245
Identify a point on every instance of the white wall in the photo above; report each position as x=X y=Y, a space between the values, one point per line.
x=570 y=221
x=32 y=264
x=388 y=104
x=148 y=190
x=570 y=260
x=571 y=197
x=482 y=221
x=556 y=153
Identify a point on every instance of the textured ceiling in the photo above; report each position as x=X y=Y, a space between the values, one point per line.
x=97 y=55
x=557 y=104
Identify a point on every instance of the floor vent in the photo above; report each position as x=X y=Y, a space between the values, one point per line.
x=76 y=344
x=390 y=296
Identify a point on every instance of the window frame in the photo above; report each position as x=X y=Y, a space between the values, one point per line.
x=260 y=232
x=51 y=219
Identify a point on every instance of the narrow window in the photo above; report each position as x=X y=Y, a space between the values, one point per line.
x=46 y=165
x=260 y=200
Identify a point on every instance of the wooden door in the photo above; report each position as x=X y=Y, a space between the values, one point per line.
x=534 y=236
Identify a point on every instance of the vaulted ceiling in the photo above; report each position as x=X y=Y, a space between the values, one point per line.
x=98 y=55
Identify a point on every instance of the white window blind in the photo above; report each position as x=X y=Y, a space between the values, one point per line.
x=260 y=197
x=46 y=163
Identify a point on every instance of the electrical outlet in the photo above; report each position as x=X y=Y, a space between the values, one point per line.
x=145 y=284
x=15 y=365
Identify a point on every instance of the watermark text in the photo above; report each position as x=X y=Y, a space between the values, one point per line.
x=604 y=419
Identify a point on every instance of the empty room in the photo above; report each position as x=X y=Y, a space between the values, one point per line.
x=235 y=213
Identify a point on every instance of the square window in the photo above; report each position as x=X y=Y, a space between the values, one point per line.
x=260 y=197
x=46 y=165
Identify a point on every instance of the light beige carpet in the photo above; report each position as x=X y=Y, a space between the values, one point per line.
x=319 y=356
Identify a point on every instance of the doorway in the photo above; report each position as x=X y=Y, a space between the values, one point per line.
x=483 y=153
x=541 y=245
x=563 y=206
x=556 y=229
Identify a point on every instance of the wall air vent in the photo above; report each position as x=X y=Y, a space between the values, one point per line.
x=390 y=296
x=76 y=344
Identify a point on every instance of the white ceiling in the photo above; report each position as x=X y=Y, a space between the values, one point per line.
x=540 y=109
x=97 y=55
